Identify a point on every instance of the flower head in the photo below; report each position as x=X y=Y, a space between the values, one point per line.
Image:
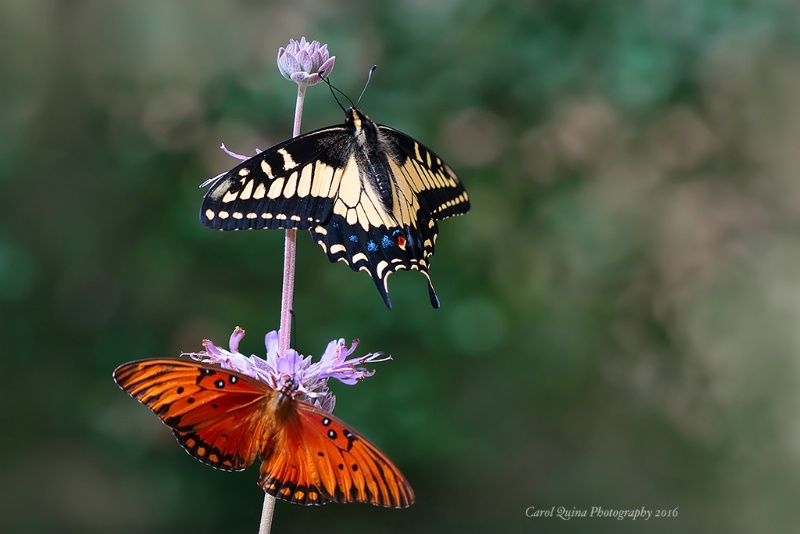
x=304 y=62
x=276 y=370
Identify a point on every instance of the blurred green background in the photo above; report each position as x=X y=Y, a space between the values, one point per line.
x=619 y=310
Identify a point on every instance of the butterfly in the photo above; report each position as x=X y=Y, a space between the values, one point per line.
x=370 y=195
x=227 y=420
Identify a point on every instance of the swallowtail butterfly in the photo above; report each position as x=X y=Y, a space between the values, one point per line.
x=370 y=195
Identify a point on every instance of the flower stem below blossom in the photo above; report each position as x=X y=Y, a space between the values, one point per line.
x=286 y=301
x=290 y=248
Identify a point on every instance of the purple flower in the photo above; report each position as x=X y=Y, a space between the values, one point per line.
x=305 y=63
x=235 y=155
x=311 y=378
x=301 y=62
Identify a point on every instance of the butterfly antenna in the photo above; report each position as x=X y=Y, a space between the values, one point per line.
x=334 y=88
x=364 y=90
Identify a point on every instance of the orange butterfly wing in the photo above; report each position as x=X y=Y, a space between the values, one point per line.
x=344 y=466
x=226 y=419
x=218 y=416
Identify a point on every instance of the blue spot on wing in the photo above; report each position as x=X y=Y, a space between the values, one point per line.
x=377 y=245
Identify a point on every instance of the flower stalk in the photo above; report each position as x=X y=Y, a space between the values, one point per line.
x=310 y=378
x=290 y=246
x=303 y=63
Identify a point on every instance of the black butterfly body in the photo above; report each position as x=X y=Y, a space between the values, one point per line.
x=370 y=195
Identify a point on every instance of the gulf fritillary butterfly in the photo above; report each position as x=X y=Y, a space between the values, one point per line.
x=226 y=419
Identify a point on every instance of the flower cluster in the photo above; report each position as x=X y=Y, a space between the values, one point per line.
x=305 y=63
x=311 y=378
x=301 y=62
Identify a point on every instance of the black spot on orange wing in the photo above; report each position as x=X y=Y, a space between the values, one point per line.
x=207 y=453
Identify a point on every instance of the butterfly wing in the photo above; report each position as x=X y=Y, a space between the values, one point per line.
x=291 y=185
x=220 y=417
x=343 y=466
x=226 y=419
x=370 y=195
x=382 y=232
x=441 y=194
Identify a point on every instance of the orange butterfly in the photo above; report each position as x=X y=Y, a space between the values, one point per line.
x=226 y=419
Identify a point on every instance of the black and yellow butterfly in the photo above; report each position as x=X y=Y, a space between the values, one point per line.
x=370 y=195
